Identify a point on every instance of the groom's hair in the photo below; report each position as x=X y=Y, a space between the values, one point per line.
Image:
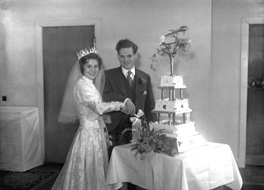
x=126 y=43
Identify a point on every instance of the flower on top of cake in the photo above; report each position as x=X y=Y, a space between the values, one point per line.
x=170 y=44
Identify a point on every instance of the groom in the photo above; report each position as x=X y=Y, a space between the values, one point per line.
x=127 y=82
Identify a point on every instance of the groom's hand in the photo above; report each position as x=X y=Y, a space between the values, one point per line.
x=107 y=119
x=129 y=108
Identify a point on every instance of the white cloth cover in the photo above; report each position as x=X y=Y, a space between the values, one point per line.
x=202 y=168
x=20 y=144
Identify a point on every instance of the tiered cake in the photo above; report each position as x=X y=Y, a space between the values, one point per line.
x=182 y=130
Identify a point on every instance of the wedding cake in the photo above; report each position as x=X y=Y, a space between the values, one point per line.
x=176 y=105
x=167 y=81
x=182 y=131
x=170 y=134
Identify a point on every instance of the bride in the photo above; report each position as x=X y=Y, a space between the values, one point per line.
x=87 y=160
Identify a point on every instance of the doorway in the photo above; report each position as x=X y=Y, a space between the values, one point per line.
x=255 y=98
x=59 y=55
x=244 y=134
x=59 y=42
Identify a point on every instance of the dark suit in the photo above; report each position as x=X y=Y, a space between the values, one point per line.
x=117 y=89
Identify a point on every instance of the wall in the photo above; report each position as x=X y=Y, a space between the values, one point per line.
x=226 y=66
x=141 y=21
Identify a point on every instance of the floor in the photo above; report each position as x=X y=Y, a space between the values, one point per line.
x=48 y=167
x=253 y=176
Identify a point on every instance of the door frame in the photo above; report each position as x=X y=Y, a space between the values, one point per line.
x=244 y=84
x=40 y=75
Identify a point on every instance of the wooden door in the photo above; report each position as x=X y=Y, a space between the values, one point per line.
x=255 y=101
x=59 y=55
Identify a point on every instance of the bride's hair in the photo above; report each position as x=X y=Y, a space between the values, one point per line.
x=86 y=58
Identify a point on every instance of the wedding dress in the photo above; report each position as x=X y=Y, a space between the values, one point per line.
x=87 y=160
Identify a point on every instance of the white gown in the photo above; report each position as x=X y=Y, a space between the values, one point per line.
x=87 y=160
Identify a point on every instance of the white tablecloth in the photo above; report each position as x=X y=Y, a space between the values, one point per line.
x=203 y=168
x=20 y=145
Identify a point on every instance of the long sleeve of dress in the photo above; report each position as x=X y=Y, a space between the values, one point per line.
x=87 y=95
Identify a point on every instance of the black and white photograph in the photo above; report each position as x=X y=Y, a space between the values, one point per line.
x=132 y=95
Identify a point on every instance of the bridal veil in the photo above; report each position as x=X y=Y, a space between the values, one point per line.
x=68 y=112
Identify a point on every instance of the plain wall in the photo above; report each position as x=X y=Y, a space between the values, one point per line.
x=226 y=67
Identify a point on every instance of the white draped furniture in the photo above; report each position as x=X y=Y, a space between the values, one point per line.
x=20 y=145
x=203 y=168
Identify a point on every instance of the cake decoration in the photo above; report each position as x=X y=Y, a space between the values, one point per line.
x=167 y=81
x=169 y=136
x=170 y=44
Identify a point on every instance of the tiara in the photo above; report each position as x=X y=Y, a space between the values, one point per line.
x=83 y=52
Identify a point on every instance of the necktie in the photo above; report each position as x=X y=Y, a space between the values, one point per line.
x=129 y=79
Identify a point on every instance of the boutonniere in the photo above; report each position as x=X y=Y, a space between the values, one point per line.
x=144 y=93
x=142 y=80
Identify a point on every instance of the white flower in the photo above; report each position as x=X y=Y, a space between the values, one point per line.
x=162 y=39
x=140 y=113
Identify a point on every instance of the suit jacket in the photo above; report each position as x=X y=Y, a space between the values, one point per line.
x=116 y=89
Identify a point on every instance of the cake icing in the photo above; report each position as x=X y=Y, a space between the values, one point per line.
x=184 y=129
x=171 y=81
x=168 y=105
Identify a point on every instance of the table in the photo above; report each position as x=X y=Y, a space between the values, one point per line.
x=20 y=145
x=203 y=168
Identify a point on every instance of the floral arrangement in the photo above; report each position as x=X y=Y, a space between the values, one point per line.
x=145 y=140
x=170 y=44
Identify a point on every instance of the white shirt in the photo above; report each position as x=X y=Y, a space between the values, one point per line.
x=125 y=72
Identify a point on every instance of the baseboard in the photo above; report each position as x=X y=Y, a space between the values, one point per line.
x=255 y=160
